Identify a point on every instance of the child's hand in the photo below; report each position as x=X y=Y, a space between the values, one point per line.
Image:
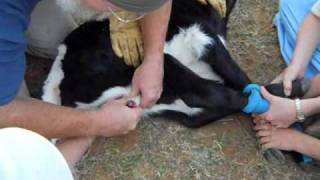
x=282 y=112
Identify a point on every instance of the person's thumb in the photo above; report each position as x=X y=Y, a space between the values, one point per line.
x=266 y=94
x=134 y=91
x=287 y=87
x=121 y=101
x=278 y=79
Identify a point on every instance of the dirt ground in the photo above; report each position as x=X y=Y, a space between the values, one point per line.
x=160 y=149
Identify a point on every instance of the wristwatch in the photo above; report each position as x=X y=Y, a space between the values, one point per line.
x=299 y=114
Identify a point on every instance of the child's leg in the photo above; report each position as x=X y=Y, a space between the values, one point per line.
x=49 y=26
x=288 y=21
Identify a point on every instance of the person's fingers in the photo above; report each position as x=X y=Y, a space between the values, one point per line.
x=134 y=91
x=122 y=47
x=116 y=47
x=278 y=79
x=266 y=126
x=264 y=140
x=275 y=124
x=140 y=49
x=259 y=119
x=263 y=121
x=115 y=36
x=125 y=51
x=202 y=1
x=264 y=133
x=134 y=52
x=146 y=102
x=121 y=101
x=266 y=94
x=137 y=112
x=262 y=118
x=268 y=145
x=147 y=99
x=131 y=51
x=287 y=87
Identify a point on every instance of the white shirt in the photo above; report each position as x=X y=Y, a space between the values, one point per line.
x=25 y=155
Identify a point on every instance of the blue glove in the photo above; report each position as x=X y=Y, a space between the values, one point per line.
x=256 y=103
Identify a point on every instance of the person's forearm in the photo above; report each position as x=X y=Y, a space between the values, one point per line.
x=154 y=29
x=314 y=89
x=310 y=106
x=308 y=145
x=49 y=120
x=307 y=41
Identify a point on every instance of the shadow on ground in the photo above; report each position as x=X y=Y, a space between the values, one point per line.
x=227 y=149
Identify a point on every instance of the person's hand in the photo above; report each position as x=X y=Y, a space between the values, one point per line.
x=282 y=112
x=147 y=81
x=115 y=118
x=288 y=75
x=270 y=137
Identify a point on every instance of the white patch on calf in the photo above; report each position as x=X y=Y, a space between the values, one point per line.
x=51 y=91
x=178 y=105
x=116 y=92
x=222 y=40
x=188 y=46
x=107 y=95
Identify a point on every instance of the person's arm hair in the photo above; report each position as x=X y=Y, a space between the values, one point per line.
x=147 y=80
x=307 y=41
x=47 y=119
x=154 y=28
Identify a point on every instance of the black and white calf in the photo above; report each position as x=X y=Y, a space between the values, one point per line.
x=202 y=83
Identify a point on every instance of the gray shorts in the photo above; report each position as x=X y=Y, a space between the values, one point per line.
x=48 y=27
x=23 y=91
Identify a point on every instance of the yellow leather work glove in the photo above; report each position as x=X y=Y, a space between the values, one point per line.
x=219 y=5
x=126 y=40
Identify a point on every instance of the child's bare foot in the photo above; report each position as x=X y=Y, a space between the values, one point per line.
x=270 y=137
